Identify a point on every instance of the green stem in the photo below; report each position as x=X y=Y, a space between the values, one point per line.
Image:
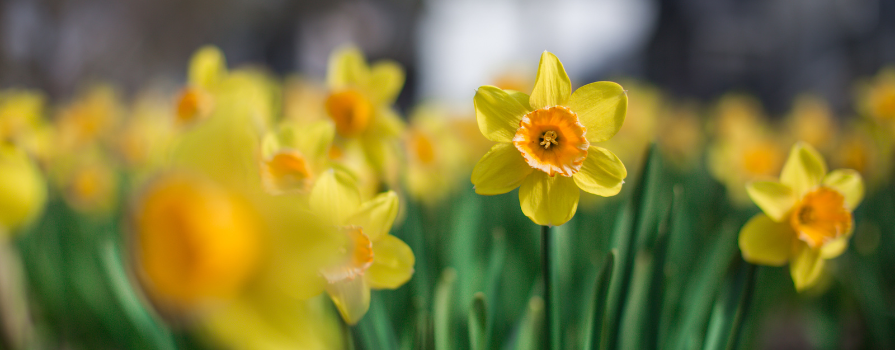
x=548 y=301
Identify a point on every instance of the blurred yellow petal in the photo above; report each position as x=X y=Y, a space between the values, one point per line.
x=765 y=242
x=805 y=267
x=386 y=81
x=775 y=199
x=207 y=67
x=602 y=173
x=835 y=248
x=314 y=139
x=392 y=263
x=352 y=298
x=334 y=197
x=498 y=113
x=23 y=189
x=804 y=169
x=549 y=200
x=552 y=85
x=501 y=170
x=601 y=107
x=347 y=68
x=849 y=183
x=376 y=216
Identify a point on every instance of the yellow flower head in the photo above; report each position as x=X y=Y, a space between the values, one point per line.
x=545 y=142
x=207 y=70
x=370 y=257
x=877 y=99
x=807 y=216
x=434 y=153
x=293 y=157
x=89 y=118
x=811 y=120
x=359 y=103
x=21 y=112
x=23 y=190
x=196 y=242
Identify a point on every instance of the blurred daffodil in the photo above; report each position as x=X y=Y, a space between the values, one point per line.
x=806 y=216
x=745 y=147
x=811 y=120
x=207 y=69
x=88 y=180
x=640 y=125
x=293 y=157
x=681 y=138
x=23 y=190
x=877 y=98
x=370 y=257
x=89 y=119
x=434 y=155
x=547 y=134
x=21 y=112
x=359 y=103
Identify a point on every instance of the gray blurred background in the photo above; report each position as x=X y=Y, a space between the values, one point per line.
x=692 y=48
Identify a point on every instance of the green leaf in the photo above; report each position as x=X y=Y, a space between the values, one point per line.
x=478 y=321
x=597 y=337
x=444 y=294
x=529 y=334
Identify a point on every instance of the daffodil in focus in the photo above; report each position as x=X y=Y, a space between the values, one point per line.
x=23 y=191
x=545 y=142
x=370 y=257
x=807 y=216
x=359 y=103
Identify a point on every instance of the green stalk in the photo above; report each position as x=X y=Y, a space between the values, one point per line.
x=548 y=301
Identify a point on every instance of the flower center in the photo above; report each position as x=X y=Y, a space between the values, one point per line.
x=358 y=256
x=552 y=140
x=422 y=147
x=350 y=110
x=192 y=104
x=286 y=171
x=761 y=159
x=821 y=217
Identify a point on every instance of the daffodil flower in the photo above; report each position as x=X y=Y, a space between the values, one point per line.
x=359 y=103
x=807 y=216
x=546 y=142
x=292 y=159
x=369 y=257
x=207 y=69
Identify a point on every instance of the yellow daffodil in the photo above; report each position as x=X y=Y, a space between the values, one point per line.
x=545 y=142
x=639 y=129
x=89 y=119
x=866 y=148
x=434 y=154
x=877 y=98
x=144 y=137
x=294 y=156
x=811 y=120
x=23 y=190
x=745 y=147
x=21 y=112
x=359 y=103
x=681 y=138
x=370 y=256
x=806 y=217
x=207 y=69
x=88 y=180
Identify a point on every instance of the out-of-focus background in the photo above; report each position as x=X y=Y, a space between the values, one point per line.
x=693 y=48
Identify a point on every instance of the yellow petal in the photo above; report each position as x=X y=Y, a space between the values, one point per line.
x=376 y=216
x=347 y=67
x=775 y=199
x=498 y=113
x=765 y=242
x=352 y=298
x=805 y=267
x=392 y=263
x=552 y=85
x=601 y=107
x=314 y=139
x=386 y=81
x=207 y=67
x=501 y=170
x=849 y=183
x=836 y=247
x=549 y=200
x=804 y=169
x=334 y=197
x=520 y=97
x=602 y=173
